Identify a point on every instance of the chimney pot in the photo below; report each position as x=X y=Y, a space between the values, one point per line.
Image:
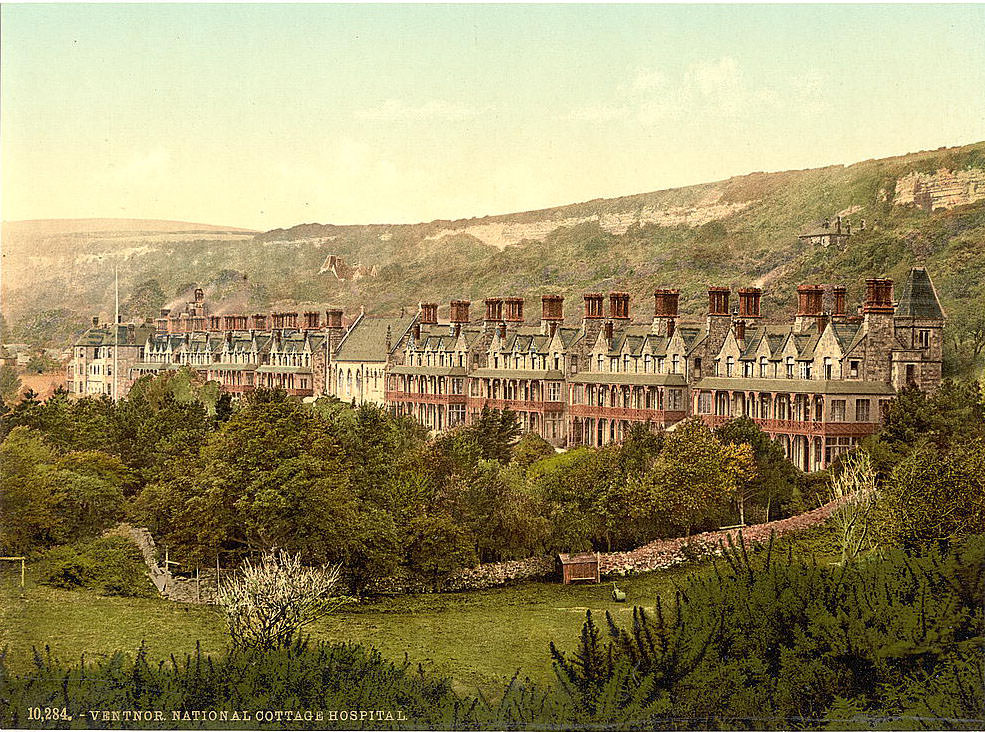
x=552 y=307
x=429 y=313
x=459 y=311
x=665 y=303
x=749 y=299
x=619 y=305
x=810 y=300
x=333 y=318
x=839 y=291
x=718 y=300
x=494 y=309
x=740 y=330
x=513 y=309
x=593 y=305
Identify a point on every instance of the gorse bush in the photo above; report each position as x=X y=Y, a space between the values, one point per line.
x=300 y=677
x=771 y=642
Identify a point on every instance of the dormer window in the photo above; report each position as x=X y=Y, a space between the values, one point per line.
x=729 y=367
x=853 y=368
x=789 y=365
x=763 y=367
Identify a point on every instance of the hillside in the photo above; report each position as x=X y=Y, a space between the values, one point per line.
x=924 y=208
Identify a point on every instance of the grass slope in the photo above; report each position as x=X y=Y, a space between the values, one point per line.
x=480 y=639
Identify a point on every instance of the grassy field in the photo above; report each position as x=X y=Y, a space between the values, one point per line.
x=480 y=639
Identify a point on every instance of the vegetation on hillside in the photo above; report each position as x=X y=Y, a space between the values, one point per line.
x=755 y=244
x=360 y=487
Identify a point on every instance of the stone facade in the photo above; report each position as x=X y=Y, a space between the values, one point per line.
x=817 y=385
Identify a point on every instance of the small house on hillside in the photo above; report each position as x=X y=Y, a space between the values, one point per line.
x=582 y=567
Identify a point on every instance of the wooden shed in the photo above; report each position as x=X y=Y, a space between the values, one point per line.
x=582 y=567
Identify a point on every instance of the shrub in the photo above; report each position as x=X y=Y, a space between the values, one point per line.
x=110 y=565
x=787 y=644
x=268 y=604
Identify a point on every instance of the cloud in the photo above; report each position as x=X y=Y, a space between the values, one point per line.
x=712 y=87
x=396 y=109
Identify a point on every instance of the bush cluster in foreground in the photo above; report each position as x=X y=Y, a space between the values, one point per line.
x=766 y=642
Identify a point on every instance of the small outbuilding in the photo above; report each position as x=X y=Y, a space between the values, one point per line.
x=582 y=567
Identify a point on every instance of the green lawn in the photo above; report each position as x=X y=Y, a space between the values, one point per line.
x=479 y=638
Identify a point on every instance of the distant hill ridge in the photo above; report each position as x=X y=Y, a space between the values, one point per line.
x=96 y=225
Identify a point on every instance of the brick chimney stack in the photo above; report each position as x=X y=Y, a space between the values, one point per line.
x=259 y=321
x=513 y=310
x=878 y=295
x=197 y=323
x=665 y=311
x=494 y=311
x=749 y=298
x=619 y=305
x=718 y=300
x=838 y=292
x=810 y=304
x=740 y=330
x=459 y=315
x=551 y=313
x=291 y=320
x=460 y=311
x=429 y=313
x=333 y=319
x=593 y=316
x=719 y=319
x=312 y=320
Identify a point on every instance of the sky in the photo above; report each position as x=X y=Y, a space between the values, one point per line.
x=266 y=116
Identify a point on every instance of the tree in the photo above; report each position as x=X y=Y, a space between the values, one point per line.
x=268 y=604
x=496 y=432
x=438 y=546
x=29 y=515
x=531 y=448
x=934 y=495
x=10 y=383
x=694 y=478
x=776 y=477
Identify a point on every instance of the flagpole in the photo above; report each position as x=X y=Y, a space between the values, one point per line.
x=116 y=331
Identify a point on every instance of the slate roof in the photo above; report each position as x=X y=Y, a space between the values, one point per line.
x=366 y=339
x=919 y=297
x=102 y=335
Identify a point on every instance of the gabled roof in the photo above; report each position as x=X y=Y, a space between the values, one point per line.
x=919 y=297
x=366 y=339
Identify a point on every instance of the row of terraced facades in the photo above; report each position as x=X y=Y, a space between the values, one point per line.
x=817 y=384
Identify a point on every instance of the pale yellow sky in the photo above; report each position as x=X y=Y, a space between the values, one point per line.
x=266 y=116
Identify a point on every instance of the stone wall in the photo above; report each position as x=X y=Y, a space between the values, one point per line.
x=656 y=555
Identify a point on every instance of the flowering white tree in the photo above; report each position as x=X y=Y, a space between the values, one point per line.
x=268 y=604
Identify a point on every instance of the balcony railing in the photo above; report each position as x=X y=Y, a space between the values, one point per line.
x=801 y=427
x=407 y=397
x=516 y=405
x=629 y=414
